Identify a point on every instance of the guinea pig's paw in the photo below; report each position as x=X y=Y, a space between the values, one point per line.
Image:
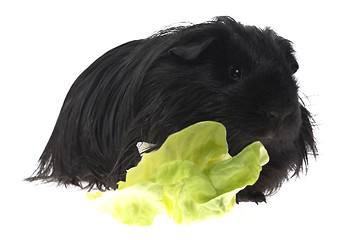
x=258 y=197
x=247 y=196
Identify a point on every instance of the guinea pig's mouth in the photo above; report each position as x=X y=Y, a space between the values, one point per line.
x=272 y=134
x=267 y=140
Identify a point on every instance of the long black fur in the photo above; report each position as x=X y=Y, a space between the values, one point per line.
x=145 y=90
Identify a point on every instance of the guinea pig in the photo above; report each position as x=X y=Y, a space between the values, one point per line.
x=145 y=90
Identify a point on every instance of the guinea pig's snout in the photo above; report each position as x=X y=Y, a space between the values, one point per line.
x=278 y=121
x=276 y=116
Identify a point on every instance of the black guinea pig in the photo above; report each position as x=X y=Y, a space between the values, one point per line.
x=145 y=90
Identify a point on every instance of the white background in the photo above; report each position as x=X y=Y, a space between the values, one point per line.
x=45 y=45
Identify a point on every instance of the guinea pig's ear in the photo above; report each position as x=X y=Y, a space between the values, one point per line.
x=192 y=50
x=287 y=48
x=293 y=63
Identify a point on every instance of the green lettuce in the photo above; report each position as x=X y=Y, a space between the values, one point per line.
x=191 y=177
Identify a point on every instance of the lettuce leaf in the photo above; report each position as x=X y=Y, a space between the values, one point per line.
x=191 y=177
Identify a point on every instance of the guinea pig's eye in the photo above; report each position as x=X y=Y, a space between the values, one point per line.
x=235 y=72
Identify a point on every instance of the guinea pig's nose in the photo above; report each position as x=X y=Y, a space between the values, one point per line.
x=278 y=116
x=273 y=115
x=276 y=120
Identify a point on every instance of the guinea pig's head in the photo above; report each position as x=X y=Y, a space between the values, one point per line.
x=224 y=71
